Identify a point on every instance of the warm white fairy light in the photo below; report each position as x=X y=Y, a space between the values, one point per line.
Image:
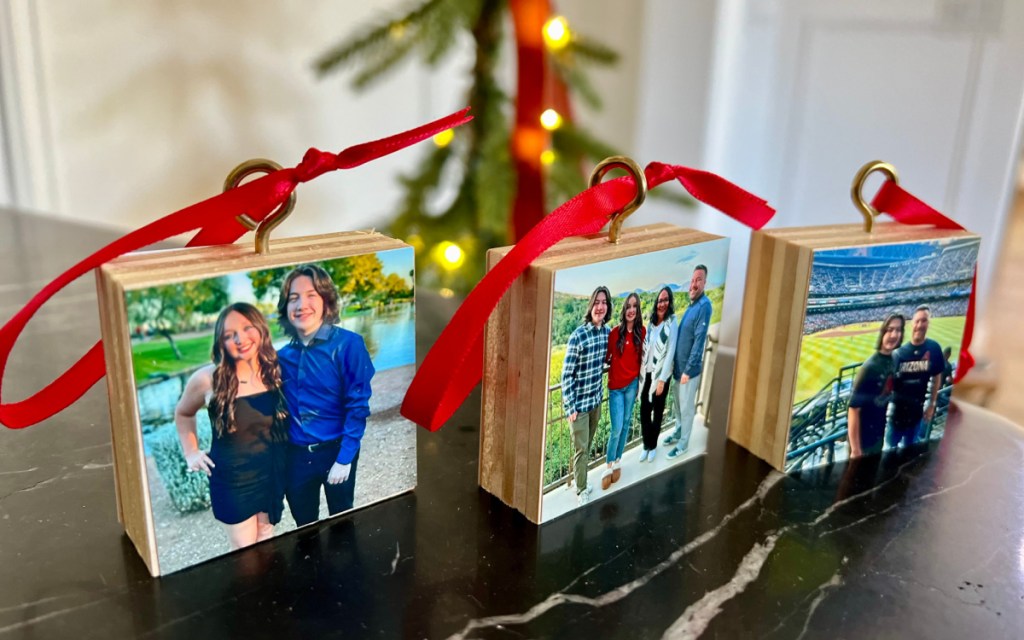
x=444 y=138
x=550 y=119
x=450 y=255
x=556 y=33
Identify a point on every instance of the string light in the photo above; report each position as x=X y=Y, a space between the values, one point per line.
x=444 y=138
x=450 y=255
x=397 y=31
x=550 y=119
x=446 y=292
x=547 y=157
x=556 y=33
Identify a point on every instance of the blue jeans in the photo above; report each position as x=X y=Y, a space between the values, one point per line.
x=620 y=406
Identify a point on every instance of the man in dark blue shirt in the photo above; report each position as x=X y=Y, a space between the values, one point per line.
x=326 y=371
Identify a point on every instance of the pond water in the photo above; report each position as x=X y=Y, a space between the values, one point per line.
x=390 y=336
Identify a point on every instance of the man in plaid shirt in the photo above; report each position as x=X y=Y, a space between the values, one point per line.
x=581 y=383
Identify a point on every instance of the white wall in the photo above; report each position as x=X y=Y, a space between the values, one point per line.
x=138 y=109
x=807 y=91
x=151 y=104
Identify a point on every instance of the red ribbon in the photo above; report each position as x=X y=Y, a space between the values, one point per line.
x=216 y=220
x=454 y=365
x=906 y=208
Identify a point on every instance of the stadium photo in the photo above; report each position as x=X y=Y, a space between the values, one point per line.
x=881 y=338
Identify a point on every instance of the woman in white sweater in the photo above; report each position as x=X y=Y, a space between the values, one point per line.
x=659 y=348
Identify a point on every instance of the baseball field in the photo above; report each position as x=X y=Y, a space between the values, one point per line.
x=822 y=354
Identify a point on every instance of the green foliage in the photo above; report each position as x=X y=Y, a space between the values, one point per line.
x=188 y=491
x=172 y=308
x=428 y=30
x=266 y=283
x=478 y=216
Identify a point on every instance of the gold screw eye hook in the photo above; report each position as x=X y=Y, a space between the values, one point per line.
x=857 y=189
x=631 y=167
x=262 y=229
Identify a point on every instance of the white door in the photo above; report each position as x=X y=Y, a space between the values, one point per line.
x=806 y=91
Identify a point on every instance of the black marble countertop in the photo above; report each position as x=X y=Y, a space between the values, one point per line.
x=921 y=544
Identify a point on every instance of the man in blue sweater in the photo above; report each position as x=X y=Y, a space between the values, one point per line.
x=689 y=360
x=326 y=372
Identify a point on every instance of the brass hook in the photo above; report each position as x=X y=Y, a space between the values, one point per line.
x=869 y=212
x=631 y=167
x=262 y=229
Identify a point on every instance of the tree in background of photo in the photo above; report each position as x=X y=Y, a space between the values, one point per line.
x=171 y=309
x=360 y=280
x=511 y=170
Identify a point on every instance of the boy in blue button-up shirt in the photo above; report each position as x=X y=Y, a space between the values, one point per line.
x=326 y=372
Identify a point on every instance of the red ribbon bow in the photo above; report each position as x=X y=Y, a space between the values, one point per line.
x=216 y=220
x=455 y=363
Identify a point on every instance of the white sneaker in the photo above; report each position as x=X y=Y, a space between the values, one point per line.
x=651 y=455
x=583 y=497
x=643 y=455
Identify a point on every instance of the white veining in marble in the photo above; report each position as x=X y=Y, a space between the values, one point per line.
x=398 y=556
x=821 y=593
x=559 y=598
x=698 y=616
x=10 y=473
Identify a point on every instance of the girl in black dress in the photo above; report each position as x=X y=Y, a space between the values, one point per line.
x=242 y=391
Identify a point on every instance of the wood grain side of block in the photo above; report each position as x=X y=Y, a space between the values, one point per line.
x=493 y=398
x=750 y=347
x=532 y=339
x=513 y=407
x=134 y=505
x=538 y=391
x=793 y=271
x=771 y=328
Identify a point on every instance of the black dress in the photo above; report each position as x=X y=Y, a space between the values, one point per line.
x=249 y=462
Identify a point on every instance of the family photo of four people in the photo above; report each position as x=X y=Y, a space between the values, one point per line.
x=902 y=376
x=286 y=424
x=642 y=361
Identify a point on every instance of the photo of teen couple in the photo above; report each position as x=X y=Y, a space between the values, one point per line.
x=630 y=369
x=291 y=416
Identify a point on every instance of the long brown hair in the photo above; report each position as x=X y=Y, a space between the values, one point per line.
x=885 y=325
x=638 y=324
x=225 y=378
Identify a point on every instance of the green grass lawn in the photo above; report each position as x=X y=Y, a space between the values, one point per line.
x=155 y=356
x=821 y=356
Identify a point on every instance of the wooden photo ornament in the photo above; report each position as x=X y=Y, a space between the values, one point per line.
x=582 y=367
x=848 y=339
x=229 y=371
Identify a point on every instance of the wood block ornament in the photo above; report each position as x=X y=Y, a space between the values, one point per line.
x=851 y=334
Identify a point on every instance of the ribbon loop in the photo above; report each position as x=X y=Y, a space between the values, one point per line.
x=216 y=219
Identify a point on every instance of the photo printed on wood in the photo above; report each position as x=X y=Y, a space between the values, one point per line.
x=267 y=399
x=881 y=339
x=629 y=375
